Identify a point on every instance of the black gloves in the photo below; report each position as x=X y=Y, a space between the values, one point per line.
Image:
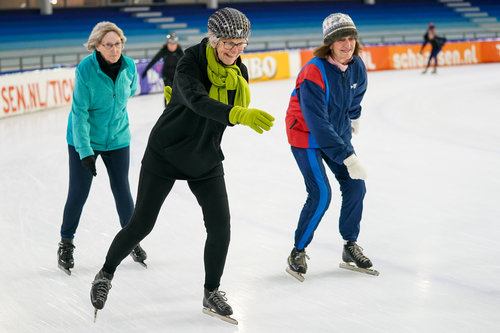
x=89 y=164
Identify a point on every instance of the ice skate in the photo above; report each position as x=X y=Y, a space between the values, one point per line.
x=297 y=265
x=99 y=291
x=424 y=71
x=353 y=253
x=434 y=70
x=65 y=259
x=215 y=305
x=139 y=255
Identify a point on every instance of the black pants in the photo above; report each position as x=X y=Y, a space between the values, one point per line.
x=212 y=197
x=80 y=179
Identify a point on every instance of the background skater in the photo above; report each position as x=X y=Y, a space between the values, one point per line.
x=437 y=44
x=170 y=52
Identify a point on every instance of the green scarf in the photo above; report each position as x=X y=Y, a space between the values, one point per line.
x=226 y=78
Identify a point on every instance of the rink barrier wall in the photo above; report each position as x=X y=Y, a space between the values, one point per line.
x=43 y=89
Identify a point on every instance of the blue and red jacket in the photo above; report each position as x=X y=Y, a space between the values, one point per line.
x=321 y=107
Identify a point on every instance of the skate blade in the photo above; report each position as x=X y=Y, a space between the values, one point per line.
x=212 y=313
x=64 y=269
x=142 y=263
x=95 y=314
x=295 y=274
x=351 y=267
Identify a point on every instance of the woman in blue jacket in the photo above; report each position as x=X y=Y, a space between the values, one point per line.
x=323 y=112
x=98 y=126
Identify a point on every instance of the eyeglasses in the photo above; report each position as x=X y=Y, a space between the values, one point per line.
x=108 y=46
x=230 y=45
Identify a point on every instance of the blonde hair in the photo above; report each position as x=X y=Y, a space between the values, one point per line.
x=101 y=29
x=324 y=50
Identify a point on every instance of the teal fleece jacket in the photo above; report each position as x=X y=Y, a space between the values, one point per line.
x=98 y=119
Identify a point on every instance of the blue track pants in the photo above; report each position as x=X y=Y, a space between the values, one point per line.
x=310 y=162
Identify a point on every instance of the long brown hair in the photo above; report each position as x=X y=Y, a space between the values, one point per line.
x=324 y=50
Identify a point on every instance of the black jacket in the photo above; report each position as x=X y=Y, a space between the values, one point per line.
x=436 y=43
x=170 y=60
x=185 y=142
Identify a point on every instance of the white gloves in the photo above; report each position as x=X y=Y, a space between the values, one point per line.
x=355 y=168
x=355 y=123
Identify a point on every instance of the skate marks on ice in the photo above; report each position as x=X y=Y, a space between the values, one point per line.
x=352 y=267
x=212 y=313
x=295 y=274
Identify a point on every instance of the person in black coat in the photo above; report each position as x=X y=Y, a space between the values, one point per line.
x=170 y=52
x=437 y=44
x=210 y=92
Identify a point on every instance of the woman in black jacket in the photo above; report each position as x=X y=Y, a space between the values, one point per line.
x=170 y=52
x=210 y=92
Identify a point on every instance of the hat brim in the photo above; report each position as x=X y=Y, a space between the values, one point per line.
x=339 y=34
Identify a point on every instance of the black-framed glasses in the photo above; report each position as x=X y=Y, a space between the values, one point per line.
x=109 y=46
x=230 y=45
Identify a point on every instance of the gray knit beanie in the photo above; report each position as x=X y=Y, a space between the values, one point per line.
x=337 y=26
x=172 y=38
x=229 y=23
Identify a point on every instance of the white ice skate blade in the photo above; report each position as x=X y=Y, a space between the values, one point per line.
x=296 y=275
x=212 y=313
x=65 y=270
x=350 y=267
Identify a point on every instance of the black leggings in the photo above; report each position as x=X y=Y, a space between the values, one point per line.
x=212 y=197
x=80 y=180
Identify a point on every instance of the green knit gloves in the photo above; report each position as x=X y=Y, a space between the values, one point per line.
x=254 y=118
x=167 y=92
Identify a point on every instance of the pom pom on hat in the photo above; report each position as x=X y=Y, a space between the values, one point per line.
x=172 y=38
x=337 y=26
x=229 y=23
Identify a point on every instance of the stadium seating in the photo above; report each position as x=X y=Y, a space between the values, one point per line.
x=274 y=24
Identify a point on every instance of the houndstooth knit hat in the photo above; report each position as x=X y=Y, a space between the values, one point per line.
x=229 y=23
x=337 y=26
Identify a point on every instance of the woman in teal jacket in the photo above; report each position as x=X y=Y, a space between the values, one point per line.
x=98 y=126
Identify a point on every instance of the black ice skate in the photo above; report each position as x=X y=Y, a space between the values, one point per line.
x=353 y=253
x=297 y=265
x=99 y=291
x=139 y=255
x=214 y=304
x=65 y=259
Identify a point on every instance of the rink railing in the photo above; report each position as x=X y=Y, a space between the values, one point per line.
x=34 y=90
x=30 y=60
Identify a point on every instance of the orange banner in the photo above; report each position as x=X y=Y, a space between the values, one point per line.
x=407 y=56
x=267 y=65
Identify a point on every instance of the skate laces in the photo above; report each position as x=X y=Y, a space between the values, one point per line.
x=139 y=252
x=357 y=252
x=103 y=285
x=66 y=251
x=219 y=298
x=301 y=256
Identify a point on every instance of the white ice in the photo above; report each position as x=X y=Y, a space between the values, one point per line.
x=431 y=144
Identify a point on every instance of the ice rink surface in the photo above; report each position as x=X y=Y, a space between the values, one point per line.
x=431 y=225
